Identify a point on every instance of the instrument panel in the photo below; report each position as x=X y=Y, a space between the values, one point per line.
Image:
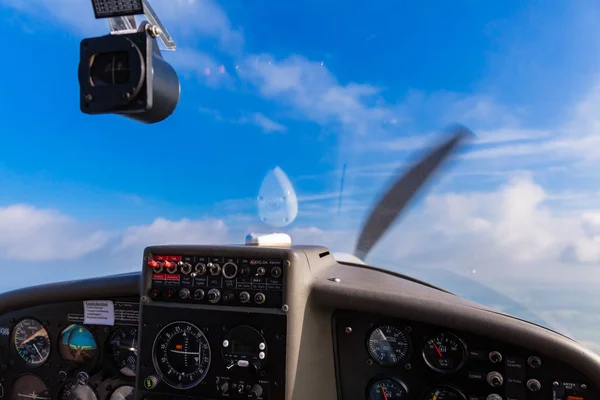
x=48 y=352
x=394 y=359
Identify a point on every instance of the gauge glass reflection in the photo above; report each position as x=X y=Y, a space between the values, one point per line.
x=123 y=393
x=123 y=350
x=388 y=389
x=388 y=345
x=445 y=353
x=443 y=393
x=31 y=342
x=75 y=391
x=77 y=344
x=29 y=387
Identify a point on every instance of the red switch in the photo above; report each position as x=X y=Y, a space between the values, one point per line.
x=152 y=263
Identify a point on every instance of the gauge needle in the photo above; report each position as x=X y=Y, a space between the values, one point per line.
x=37 y=333
x=438 y=350
x=384 y=395
x=39 y=354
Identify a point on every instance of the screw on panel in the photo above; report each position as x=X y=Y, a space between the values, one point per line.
x=407 y=366
x=408 y=329
x=583 y=386
x=88 y=97
x=369 y=362
x=287 y=263
x=285 y=308
x=348 y=329
x=144 y=299
x=555 y=383
x=335 y=279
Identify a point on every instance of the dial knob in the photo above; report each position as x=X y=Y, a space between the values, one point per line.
x=184 y=293
x=214 y=295
x=534 y=385
x=228 y=296
x=534 y=362
x=244 y=297
x=495 y=357
x=495 y=379
x=198 y=294
x=82 y=378
x=259 y=298
x=494 y=396
x=256 y=390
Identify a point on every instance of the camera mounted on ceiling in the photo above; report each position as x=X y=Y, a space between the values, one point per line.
x=124 y=72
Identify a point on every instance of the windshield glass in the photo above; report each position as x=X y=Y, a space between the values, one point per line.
x=297 y=117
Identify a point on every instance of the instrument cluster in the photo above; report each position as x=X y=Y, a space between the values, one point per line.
x=394 y=359
x=48 y=352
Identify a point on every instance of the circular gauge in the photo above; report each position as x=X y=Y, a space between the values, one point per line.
x=181 y=355
x=75 y=391
x=388 y=345
x=443 y=393
x=123 y=350
x=29 y=387
x=77 y=344
x=123 y=393
x=388 y=389
x=31 y=342
x=445 y=353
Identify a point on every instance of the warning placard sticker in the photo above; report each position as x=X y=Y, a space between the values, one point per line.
x=99 y=312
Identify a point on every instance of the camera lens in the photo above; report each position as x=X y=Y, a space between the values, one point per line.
x=108 y=69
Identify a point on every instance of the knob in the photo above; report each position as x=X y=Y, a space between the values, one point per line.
x=276 y=272
x=214 y=295
x=259 y=298
x=215 y=269
x=261 y=271
x=82 y=378
x=184 y=293
x=150 y=382
x=495 y=357
x=184 y=267
x=494 y=379
x=230 y=270
x=494 y=396
x=244 y=297
x=198 y=294
x=228 y=296
x=534 y=385
x=224 y=387
x=200 y=269
x=534 y=362
x=256 y=390
x=62 y=375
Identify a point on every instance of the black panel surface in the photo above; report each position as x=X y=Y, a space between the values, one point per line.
x=357 y=370
x=215 y=324
x=56 y=372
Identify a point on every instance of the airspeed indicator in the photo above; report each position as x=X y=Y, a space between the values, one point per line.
x=388 y=345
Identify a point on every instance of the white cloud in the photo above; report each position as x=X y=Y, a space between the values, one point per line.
x=31 y=234
x=267 y=124
x=312 y=90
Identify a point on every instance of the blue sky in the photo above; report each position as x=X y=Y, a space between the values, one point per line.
x=310 y=87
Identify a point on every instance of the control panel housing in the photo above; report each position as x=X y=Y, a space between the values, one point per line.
x=489 y=369
x=213 y=323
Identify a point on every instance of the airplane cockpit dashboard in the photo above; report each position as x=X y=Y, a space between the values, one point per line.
x=275 y=323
